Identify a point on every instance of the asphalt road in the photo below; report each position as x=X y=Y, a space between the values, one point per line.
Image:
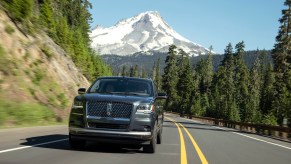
x=184 y=141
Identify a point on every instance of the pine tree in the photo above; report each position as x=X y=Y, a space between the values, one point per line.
x=80 y=51
x=195 y=94
x=135 y=71
x=213 y=100
x=207 y=78
x=170 y=78
x=228 y=63
x=205 y=69
x=158 y=79
x=241 y=83
x=90 y=70
x=154 y=71
x=185 y=82
x=123 y=72
x=196 y=108
x=78 y=16
x=63 y=34
x=219 y=94
x=263 y=63
x=204 y=76
x=20 y=10
x=144 y=74
x=254 y=93
x=205 y=105
x=223 y=93
x=131 y=71
x=281 y=55
x=46 y=18
x=268 y=92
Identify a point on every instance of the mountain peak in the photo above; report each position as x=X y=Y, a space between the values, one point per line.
x=145 y=16
x=151 y=13
x=97 y=27
x=144 y=32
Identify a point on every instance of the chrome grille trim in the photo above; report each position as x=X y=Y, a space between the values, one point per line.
x=107 y=126
x=99 y=109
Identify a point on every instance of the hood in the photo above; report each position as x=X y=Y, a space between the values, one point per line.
x=114 y=98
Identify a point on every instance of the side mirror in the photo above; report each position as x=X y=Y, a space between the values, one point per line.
x=81 y=90
x=162 y=96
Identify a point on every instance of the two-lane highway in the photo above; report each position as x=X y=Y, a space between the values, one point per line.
x=184 y=141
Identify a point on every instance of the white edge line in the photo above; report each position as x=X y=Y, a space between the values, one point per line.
x=286 y=147
x=25 y=147
x=262 y=140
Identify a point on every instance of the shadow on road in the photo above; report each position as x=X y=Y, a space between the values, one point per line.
x=90 y=146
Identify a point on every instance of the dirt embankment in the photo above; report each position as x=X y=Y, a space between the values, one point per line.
x=34 y=70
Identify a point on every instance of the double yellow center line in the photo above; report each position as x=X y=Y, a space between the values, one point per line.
x=183 y=148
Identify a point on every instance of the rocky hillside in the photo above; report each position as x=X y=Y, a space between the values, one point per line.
x=37 y=78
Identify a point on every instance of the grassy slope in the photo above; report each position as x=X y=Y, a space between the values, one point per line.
x=36 y=84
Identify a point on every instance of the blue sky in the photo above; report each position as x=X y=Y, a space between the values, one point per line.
x=206 y=22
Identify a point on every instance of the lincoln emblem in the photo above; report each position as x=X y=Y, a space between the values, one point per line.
x=109 y=109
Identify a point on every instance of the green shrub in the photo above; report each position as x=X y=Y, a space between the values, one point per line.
x=52 y=101
x=64 y=101
x=31 y=91
x=15 y=72
x=9 y=29
x=37 y=62
x=2 y=52
x=27 y=72
x=47 y=52
x=32 y=113
x=38 y=76
x=27 y=56
x=19 y=9
x=269 y=119
x=25 y=113
x=5 y=65
x=3 y=116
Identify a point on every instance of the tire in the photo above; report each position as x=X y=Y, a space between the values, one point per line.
x=151 y=148
x=76 y=144
x=159 y=137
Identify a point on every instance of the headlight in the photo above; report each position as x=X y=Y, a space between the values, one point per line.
x=145 y=108
x=77 y=104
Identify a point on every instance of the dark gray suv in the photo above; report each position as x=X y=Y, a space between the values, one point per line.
x=122 y=110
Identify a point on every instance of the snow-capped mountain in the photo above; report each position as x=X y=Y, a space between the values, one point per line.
x=145 y=32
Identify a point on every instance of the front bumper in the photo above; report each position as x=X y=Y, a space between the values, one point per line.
x=132 y=137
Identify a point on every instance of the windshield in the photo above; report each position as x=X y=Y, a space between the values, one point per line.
x=136 y=87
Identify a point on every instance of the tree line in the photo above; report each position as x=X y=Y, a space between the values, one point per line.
x=136 y=71
x=232 y=91
x=260 y=94
x=67 y=23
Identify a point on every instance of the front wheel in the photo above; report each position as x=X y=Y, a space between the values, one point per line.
x=151 y=148
x=159 y=137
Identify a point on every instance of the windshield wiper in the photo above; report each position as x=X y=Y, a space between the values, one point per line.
x=106 y=92
x=136 y=93
x=125 y=93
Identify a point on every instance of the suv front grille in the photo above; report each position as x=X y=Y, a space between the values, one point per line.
x=109 y=109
